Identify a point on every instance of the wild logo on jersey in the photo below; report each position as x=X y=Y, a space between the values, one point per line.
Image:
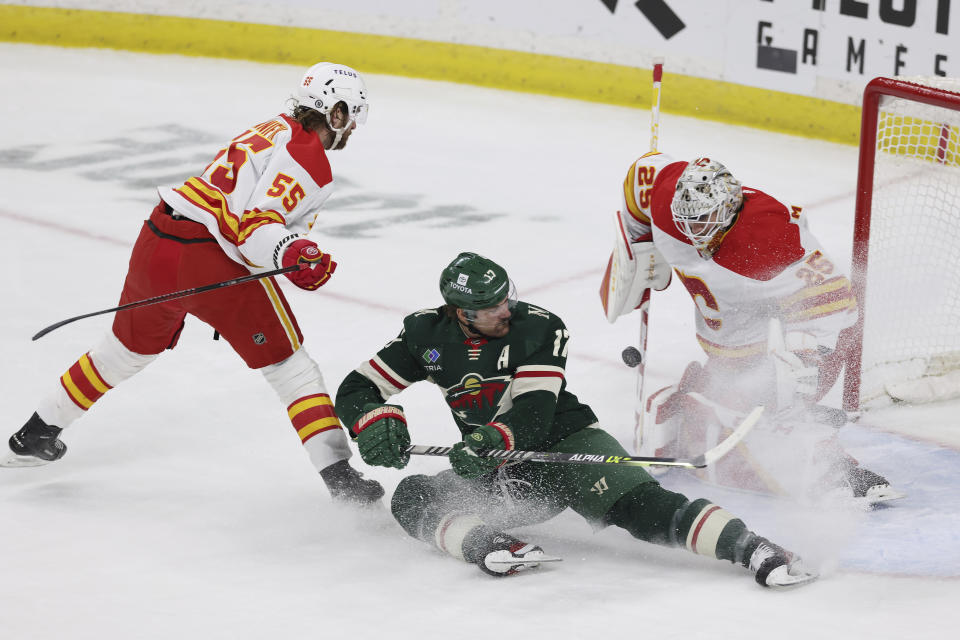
x=476 y=396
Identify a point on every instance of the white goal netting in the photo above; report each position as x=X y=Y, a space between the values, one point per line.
x=912 y=306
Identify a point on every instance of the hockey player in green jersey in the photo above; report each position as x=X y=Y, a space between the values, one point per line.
x=500 y=364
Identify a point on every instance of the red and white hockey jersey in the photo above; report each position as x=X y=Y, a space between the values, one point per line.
x=268 y=184
x=768 y=265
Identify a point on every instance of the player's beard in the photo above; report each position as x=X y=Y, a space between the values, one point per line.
x=499 y=330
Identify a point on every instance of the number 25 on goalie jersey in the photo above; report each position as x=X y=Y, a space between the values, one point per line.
x=768 y=264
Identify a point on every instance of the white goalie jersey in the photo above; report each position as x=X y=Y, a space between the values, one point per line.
x=267 y=185
x=772 y=315
x=768 y=265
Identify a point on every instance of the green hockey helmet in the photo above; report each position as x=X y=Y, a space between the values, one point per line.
x=473 y=282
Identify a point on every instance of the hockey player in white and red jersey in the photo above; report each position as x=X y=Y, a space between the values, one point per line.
x=771 y=313
x=248 y=211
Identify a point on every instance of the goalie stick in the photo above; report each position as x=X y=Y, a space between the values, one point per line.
x=705 y=459
x=637 y=356
x=172 y=296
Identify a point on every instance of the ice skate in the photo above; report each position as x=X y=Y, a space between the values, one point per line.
x=775 y=567
x=346 y=484
x=37 y=443
x=499 y=554
x=870 y=487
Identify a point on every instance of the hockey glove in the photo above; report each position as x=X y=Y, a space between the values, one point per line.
x=382 y=436
x=320 y=266
x=464 y=459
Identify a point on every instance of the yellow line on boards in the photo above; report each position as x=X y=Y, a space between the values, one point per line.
x=481 y=66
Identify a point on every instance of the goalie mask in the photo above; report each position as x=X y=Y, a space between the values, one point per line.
x=325 y=85
x=472 y=282
x=705 y=204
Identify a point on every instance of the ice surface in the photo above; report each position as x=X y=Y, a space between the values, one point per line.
x=186 y=507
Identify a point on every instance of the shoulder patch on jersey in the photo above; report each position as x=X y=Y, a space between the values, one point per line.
x=763 y=241
x=305 y=147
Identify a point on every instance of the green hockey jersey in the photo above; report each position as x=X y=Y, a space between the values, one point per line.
x=517 y=381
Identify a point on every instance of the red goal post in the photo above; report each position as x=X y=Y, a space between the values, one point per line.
x=906 y=244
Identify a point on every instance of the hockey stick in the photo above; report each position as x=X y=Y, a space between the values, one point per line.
x=707 y=458
x=173 y=296
x=633 y=354
x=655 y=107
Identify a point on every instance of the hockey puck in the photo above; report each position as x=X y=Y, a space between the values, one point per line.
x=631 y=356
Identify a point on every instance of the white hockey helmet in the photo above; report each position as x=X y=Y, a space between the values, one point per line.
x=326 y=84
x=705 y=203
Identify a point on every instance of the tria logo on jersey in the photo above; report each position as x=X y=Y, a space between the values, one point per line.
x=430 y=357
x=475 y=393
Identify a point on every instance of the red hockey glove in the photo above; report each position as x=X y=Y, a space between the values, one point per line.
x=306 y=252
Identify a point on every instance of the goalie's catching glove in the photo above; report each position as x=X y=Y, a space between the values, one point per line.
x=320 y=265
x=382 y=436
x=464 y=458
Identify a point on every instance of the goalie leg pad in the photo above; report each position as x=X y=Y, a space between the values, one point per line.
x=671 y=407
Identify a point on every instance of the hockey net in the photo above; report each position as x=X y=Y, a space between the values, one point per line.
x=906 y=244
